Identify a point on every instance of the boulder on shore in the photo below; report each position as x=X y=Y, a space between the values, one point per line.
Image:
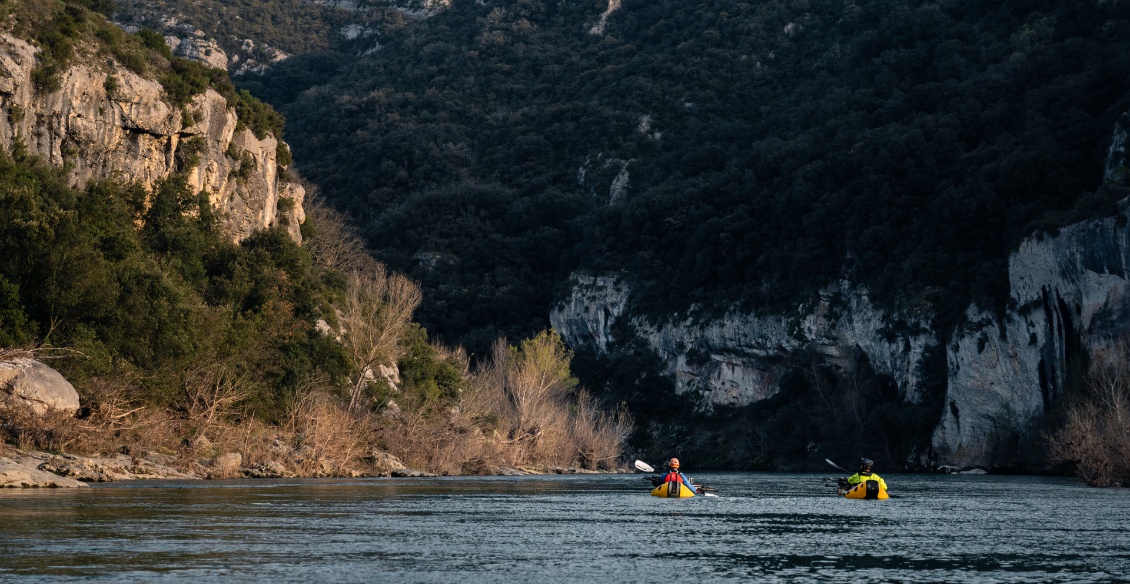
x=384 y=464
x=411 y=473
x=38 y=386
x=267 y=470
x=225 y=466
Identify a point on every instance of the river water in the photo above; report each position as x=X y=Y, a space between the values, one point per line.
x=577 y=528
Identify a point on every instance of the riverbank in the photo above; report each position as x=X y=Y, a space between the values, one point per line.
x=36 y=469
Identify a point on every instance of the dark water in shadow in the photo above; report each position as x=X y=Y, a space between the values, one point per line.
x=588 y=528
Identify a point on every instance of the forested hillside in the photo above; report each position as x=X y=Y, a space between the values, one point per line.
x=710 y=155
x=713 y=151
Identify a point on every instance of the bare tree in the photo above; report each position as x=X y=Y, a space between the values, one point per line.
x=375 y=315
x=211 y=394
x=329 y=438
x=599 y=436
x=335 y=244
x=538 y=378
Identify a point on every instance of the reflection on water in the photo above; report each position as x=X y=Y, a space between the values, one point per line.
x=785 y=527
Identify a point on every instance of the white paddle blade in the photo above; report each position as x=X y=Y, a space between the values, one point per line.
x=710 y=495
x=643 y=466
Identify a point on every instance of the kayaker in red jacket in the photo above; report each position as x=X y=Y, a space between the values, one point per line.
x=674 y=475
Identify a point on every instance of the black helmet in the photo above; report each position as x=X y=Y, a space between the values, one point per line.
x=866 y=463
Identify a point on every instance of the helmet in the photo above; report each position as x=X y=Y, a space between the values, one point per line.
x=866 y=463
x=673 y=463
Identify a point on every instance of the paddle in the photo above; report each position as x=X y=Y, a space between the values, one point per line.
x=643 y=466
x=836 y=466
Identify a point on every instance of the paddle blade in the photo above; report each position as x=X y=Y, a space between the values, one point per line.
x=836 y=466
x=643 y=466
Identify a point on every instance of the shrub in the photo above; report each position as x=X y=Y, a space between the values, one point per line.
x=1095 y=436
x=260 y=117
x=110 y=85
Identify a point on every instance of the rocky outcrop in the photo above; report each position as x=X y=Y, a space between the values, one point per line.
x=738 y=359
x=268 y=470
x=40 y=469
x=224 y=466
x=193 y=44
x=384 y=464
x=598 y=28
x=17 y=475
x=108 y=122
x=37 y=386
x=103 y=469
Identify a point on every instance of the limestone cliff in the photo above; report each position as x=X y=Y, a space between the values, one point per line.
x=1070 y=297
x=126 y=130
x=739 y=359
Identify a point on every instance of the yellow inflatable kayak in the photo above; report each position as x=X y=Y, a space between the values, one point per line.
x=672 y=489
x=866 y=490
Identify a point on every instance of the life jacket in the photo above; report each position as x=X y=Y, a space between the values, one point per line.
x=861 y=477
x=673 y=476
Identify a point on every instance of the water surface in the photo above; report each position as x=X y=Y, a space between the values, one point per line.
x=584 y=528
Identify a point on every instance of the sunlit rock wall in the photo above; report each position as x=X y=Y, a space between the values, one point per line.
x=129 y=132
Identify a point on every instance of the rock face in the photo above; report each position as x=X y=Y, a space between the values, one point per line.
x=124 y=129
x=598 y=28
x=739 y=359
x=1070 y=297
x=37 y=386
x=198 y=48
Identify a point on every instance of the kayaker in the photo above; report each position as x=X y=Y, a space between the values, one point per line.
x=865 y=474
x=673 y=474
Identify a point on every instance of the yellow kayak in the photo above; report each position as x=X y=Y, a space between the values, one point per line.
x=866 y=490
x=672 y=489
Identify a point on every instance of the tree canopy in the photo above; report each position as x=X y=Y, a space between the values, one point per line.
x=712 y=152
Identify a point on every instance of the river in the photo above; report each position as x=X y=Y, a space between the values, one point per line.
x=784 y=527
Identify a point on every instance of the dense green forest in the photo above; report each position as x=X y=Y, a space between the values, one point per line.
x=153 y=304
x=769 y=147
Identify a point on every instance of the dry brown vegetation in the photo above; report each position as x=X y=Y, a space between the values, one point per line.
x=523 y=409
x=1095 y=437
